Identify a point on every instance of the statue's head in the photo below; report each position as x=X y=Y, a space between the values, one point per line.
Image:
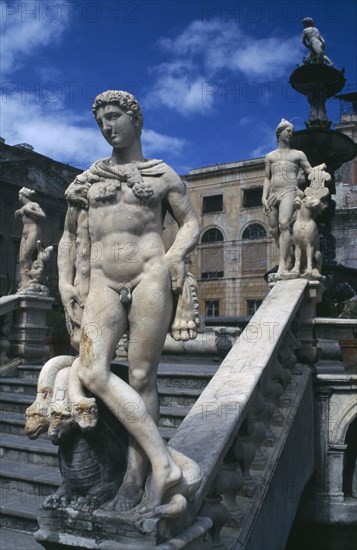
x=26 y=192
x=307 y=22
x=124 y=100
x=283 y=124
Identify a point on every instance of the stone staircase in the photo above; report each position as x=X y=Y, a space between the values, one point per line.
x=29 y=469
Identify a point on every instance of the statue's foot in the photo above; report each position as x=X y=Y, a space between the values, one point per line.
x=128 y=496
x=85 y=413
x=168 y=477
x=60 y=499
x=176 y=506
x=85 y=504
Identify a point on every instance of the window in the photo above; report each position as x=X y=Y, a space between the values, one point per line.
x=252 y=306
x=254 y=231
x=254 y=254
x=252 y=197
x=212 y=274
x=212 y=235
x=212 y=254
x=214 y=203
x=212 y=308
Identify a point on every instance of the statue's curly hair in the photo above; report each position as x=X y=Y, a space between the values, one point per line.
x=124 y=100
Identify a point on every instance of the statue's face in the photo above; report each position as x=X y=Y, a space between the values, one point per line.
x=117 y=127
x=286 y=135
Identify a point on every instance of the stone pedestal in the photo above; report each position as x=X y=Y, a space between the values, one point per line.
x=67 y=529
x=27 y=339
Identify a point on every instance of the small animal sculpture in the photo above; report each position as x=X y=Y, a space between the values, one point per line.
x=308 y=258
x=37 y=416
x=92 y=456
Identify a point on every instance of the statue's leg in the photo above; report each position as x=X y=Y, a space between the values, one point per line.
x=149 y=318
x=309 y=258
x=286 y=211
x=103 y=323
x=297 y=259
x=273 y=222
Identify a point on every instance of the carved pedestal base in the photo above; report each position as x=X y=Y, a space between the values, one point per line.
x=68 y=529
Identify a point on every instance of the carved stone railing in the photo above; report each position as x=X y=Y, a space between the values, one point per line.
x=23 y=328
x=258 y=408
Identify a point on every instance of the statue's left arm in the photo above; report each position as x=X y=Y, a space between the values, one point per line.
x=35 y=210
x=181 y=209
x=304 y=164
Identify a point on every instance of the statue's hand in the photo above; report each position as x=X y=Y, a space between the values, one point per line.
x=176 y=269
x=70 y=297
x=265 y=204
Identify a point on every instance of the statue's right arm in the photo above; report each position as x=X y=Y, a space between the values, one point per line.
x=66 y=264
x=266 y=185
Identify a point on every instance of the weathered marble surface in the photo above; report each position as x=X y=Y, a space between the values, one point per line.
x=115 y=277
x=216 y=414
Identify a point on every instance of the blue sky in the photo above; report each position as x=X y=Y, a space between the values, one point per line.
x=211 y=76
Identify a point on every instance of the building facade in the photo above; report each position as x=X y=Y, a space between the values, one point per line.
x=236 y=249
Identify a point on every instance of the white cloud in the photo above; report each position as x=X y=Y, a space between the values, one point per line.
x=267 y=140
x=26 y=27
x=154 y=143
x=178 y=87
x=214 y=51
x=54 y=132
x=65 y=136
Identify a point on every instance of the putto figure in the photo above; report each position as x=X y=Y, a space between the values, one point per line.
x=280 y=190
x=312 y=39
x=114 y=276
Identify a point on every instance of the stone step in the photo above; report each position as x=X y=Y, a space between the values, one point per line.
x=16 y=540
x=192 y=377
x=33 y=479
x=18 y=386
x=11 y=423
x=171 y=417
x=21 y=449
x=169 y=396
x=29 y=371
x=18 y=511
x=15 y=402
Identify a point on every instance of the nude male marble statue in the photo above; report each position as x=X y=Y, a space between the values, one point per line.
x=312 y=39
x=115 y=275
x=280 y=190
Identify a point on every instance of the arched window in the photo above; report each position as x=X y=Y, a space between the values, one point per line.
x=212 y=235
x=212 y=254
x=254 y=231
x=254 y=254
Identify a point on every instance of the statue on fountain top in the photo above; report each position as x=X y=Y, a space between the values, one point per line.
x=312 y=39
